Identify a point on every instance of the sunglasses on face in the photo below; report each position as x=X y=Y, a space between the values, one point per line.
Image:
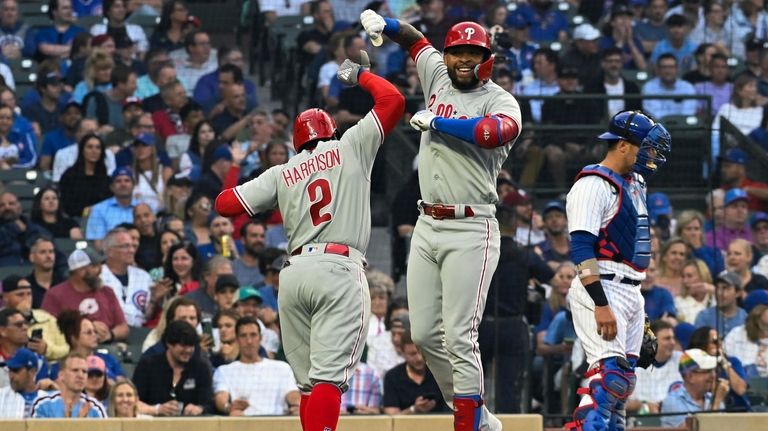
x=95 y=373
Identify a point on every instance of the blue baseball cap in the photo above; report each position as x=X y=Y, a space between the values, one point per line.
x=683 y=332
x=658 y=204
x=146 y=139
x=222 y=153
x=735 y=155
x=757 y=218
x=518 y=21
x=553 y=206
x=24 y=358
x=123 y=171
x=755 y=298
x=733 y=195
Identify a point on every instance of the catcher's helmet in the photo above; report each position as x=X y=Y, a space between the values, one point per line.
x=470 y=33
x=311 y=125
x=639 y=129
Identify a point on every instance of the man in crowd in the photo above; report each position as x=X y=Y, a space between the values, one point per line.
x=176 y=382
x=667 y=83
x=45 y=112
x=695 y=395
x=219 y=228
x=246 y=267
x=249 y=303
x=718 y=86
x=226 y=288
x=168 y=119
x=16 y=37
x=196 y=59
x=253 y=385
x=653 y=384
x=109 y=213
x=129 y=283
x=726 y=314
x=17 y=398
x=410 y=388
x=212 y=181
x=658 y=301
x=147 y=255
x=42 y=256
x=45 y=338
x=55 y=41
x=234 y=114
x=70 y=401
x=733 y=174
x=15 y=231
x=545 y=62
x=611 y=83
x=735 y=220
x=556 y=248
x=209 y=88
x=13 y=336
x=62 y=136
x=204 y=296
x=83 y=291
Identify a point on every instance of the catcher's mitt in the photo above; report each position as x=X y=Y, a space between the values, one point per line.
x=648 y=348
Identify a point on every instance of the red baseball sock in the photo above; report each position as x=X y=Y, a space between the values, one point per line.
x=303 y=410
x=322 y=413
x=466 y=413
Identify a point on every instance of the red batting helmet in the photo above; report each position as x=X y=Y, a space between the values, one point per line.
x=311 y=125
x=470 y=33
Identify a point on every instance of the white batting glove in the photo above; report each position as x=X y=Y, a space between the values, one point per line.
x=373 y=24
x=422 y=120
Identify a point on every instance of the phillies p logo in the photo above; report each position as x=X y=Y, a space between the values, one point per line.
x=469 y=31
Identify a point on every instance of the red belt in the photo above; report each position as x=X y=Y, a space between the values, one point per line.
x=330 y=248
x=440 y=211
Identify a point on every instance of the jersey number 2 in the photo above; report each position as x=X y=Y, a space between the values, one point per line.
x=320 y=196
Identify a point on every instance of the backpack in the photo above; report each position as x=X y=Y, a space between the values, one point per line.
x=102 y=108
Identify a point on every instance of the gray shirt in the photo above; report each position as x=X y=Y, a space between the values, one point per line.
x=246 y=275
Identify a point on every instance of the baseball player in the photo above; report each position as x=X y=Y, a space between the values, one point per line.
x=324 y=195
x=469 y=128
x=611 y=247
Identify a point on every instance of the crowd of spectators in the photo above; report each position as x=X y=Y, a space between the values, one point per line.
x=172 y=310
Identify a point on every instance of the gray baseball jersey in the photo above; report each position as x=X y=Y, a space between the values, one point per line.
x=319 y=193
x=452 y=170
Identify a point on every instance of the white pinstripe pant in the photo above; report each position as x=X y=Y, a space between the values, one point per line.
x=627 y=305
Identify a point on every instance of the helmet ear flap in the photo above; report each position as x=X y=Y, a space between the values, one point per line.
x=484 y=70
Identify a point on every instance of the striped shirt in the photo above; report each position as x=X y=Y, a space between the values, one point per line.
x=52 y=406
x=365 y=388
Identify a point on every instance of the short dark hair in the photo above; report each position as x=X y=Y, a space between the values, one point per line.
x=246 y=320
x=180 y=332
x=701 y=49
x=237 y=73
x=666 y=56
x=249 y=223
x=719 y=56
x=406 y=339
x=549 y=54
x=267 y=257
x=189 y=39
x=224 y=51
x=189 y=108
x=314 y=6
x=700 y=338
x=607 y=52
x=506 y=216
x=659 y=325
x=120 y=74
x=5 y=315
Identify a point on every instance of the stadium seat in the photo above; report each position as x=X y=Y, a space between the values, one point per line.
x=27 y=9
x=5 y=271
x=87 y=21
x=23 y=190
x=19 y=176
x=67 y=246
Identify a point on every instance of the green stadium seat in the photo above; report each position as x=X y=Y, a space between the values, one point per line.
x=87 y=21
x=67 y=246
x=22 y=190
x=37 y=21
x=5 y=271
x=27 y=9
x=19 y=175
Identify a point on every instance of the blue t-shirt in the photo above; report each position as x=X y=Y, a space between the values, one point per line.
x=709 y=317
x=545 y=26
x=658 y=301
x=561 y=329
x=547 y=313
x=52 y=406
x=269 y=296
x=55 y=140
x=54 y=37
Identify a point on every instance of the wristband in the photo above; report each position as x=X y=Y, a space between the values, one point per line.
x=391 y=27
x=596 y=292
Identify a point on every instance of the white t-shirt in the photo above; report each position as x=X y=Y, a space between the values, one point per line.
x=264 y=384
x=654 y=382
x=615 y=105
x=327 y=72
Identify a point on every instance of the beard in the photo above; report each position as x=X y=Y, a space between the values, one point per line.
x=92 y=282
x=462 y=85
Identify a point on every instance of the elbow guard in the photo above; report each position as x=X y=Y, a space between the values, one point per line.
x=228 y=205
x=495 y=131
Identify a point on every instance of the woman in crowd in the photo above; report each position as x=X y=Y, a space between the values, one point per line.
x=81 y=49
x=191 y=162
x=170 y=31
x=745 y=110
x=690 y=228
x=706 y=339
x=697 y=290
x=17 y=147
x=81 y=336
x=86 y=182
x=124 y=401
x=749 y=342
x=149 y=175
x=714 y=30
x=47 y=212
x=182 y=267
x=115 y=13
x=381 y=287
x=98 y=71
x=561 y=282
x=671 y=259
x=197 y=212
x=276 y=153
x=225 y=322
x=97 y=385
x=167 y=239
x=738 y=259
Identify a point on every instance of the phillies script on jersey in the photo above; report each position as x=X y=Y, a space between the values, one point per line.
x=322 y=161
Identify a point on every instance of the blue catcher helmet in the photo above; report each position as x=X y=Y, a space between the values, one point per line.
x=639 y=129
